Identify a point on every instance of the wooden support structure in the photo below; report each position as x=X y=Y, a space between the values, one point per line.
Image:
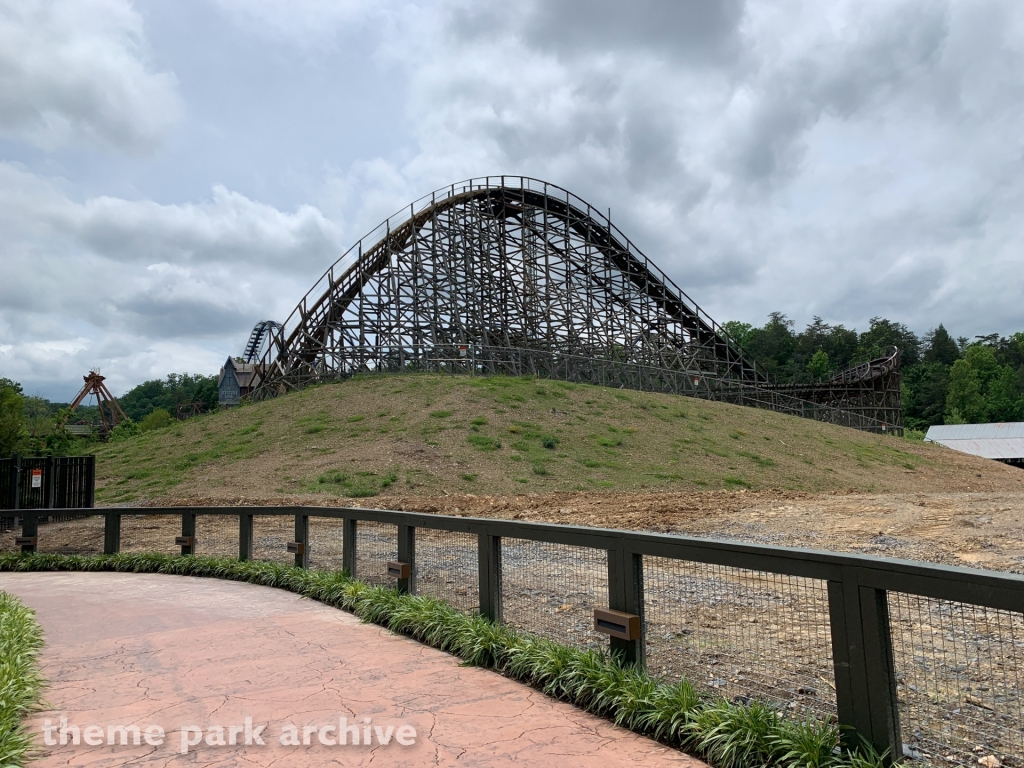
x=515 y=276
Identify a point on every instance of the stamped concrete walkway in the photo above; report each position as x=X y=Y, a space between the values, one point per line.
x=172 y=652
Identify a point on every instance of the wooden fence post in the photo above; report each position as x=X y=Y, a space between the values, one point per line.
x=864 y=670
x=489 y=569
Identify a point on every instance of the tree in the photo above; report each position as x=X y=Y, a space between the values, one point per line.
x=925 y=388
x=839 y=344
x=986 y=385
x=1015 y=348
x=883 y=335
x=739 y=331
x=940 y=347
x=819 y=367
x=125 y=429
x=157 y=419
x=773 y=345
x=982 y=360
x=12 y=417
x=1001 y=398
x=177 y=389
x=964 y=402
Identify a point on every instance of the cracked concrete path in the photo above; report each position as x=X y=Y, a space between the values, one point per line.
x=172 y=651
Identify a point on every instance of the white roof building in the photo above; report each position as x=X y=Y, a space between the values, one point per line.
x=1002 y=442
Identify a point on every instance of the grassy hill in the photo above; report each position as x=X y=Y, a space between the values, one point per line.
x=426 y=434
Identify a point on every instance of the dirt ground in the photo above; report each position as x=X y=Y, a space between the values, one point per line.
x=977 y=529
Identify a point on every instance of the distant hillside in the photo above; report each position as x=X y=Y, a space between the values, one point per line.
x=428 y=435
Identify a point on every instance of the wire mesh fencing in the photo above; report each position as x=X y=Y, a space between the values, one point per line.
x=376 y=543
x=741 y=634
x=216 y=535
x=958 y=680
x=447 y=568
x=734 y=632
x=8 y=533
x=551 y=590
x=77 y=536
x=270 y=537
x=325 y=543
x=142 y=532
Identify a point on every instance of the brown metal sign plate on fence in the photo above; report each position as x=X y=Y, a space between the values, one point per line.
x=296 y=548
x=184 y=541
x=625 y=626
x=398 y=569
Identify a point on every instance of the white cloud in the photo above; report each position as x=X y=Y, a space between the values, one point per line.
x=108 y=281
x=75 y=71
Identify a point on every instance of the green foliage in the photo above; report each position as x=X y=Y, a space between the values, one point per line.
x=177 y=389
x=925 y=388
x=964 y=397
x=882 y=336
x=729 y=735
x=819 y=368
x=21 y=684
x=940 y=347
x=735 y=737
x=944 y=380
x=58 y=442
x=359 y=485
x=40 y=416
x=125 y=429
x=158 y=419
x=13 y=433
x=484 y=443
x=866 y=756
x=808 y=743
x=773 y=345
x=982 y=390
x=740 y=332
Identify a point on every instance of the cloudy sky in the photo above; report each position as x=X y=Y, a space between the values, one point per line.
x=172 y=171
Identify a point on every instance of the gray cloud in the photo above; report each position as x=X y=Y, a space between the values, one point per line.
x=76 y=69
x=693 y=31
x=845 y=159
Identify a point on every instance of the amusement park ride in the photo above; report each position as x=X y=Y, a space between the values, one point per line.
x=110 y=413
x=516 y=276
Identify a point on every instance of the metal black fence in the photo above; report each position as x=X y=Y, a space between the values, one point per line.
x=921 y=659
x=50 y=482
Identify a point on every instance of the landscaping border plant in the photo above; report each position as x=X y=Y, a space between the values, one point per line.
x=726 y=734
x=20 y=681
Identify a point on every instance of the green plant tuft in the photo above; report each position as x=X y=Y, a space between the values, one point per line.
x=484 y=443
x=20 y=681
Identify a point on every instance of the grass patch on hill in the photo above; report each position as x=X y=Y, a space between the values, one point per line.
x=355 y=486
x=425 y=434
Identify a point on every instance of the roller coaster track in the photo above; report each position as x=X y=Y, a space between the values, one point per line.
x=516 y=275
